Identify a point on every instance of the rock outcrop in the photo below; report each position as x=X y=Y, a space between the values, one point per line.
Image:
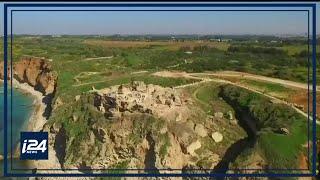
x=2 y=71
x=37 y=72
x=200 y=130
x=193 y=146
x=130 y=125
x=139 y=97
x=136 y=126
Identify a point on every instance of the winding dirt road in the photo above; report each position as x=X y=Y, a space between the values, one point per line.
x=229 y=73
x=257 y=77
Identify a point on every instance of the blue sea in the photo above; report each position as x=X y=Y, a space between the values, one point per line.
x=22 y=108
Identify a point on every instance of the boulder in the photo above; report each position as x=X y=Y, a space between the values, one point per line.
x=230 y=115
x=193 y=146
x=74 y=118
x=200 y=130
x=284 y=131
x=217 y=137
x=77 y=98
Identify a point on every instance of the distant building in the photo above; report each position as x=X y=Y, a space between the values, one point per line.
x=173 y=38
x=216 y=40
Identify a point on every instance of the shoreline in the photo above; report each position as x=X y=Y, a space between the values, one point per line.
x=35 y=123
x=36 y=120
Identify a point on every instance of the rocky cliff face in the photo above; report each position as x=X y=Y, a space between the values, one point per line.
x=37 y=72
x=131 y=126
x=2 y=71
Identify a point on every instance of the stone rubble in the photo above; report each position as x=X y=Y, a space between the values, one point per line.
x=139 y=97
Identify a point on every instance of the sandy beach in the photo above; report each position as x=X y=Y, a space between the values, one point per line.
x=37 y=120
x=35 y=124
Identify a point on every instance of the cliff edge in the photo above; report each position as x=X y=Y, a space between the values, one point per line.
x=36 y=72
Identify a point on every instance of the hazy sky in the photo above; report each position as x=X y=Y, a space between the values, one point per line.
x=114 y=22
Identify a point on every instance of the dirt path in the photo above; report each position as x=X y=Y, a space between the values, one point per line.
x=89 y=83
x=204 y=80
x=139 y=72
x=258 y=77
x=97 y=58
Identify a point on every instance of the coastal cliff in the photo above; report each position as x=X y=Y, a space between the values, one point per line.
x=36 y=72
x=133 y=125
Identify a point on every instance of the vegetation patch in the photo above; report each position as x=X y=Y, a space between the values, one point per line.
x=280 y=150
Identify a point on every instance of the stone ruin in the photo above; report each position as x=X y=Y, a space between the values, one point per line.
x=139 y=97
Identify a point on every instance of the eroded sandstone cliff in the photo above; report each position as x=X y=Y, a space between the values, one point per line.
x=37 y=72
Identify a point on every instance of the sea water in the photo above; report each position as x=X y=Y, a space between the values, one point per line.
x=17 y=121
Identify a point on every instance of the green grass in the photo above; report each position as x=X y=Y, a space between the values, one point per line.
x=134 y=60
x=280 y=151
x=68 y=88
x=267 y=86
x=273 y=89
x=297 y=48
x=68 y=54
x=294 y=49
x=207 y=96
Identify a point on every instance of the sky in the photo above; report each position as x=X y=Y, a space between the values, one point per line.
x=164 y=22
